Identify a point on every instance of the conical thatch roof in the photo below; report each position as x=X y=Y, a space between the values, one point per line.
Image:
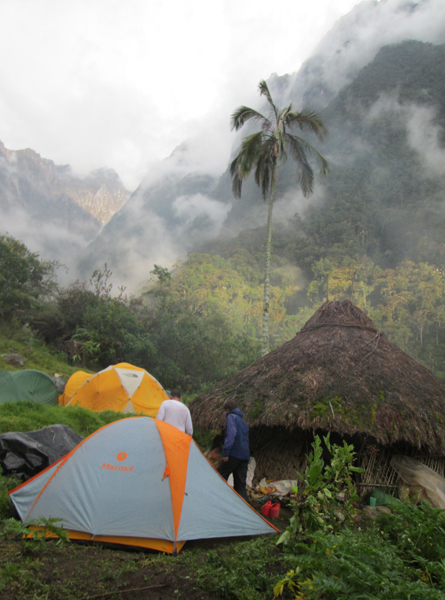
x=339 y=373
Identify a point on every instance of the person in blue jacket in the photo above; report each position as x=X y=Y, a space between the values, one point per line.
x=236 y=453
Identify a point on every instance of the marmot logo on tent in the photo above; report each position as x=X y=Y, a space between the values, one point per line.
x=115 y=468
x=121 y=456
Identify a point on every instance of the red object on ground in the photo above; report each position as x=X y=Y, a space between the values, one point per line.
x=274 y=510
x=265 y=510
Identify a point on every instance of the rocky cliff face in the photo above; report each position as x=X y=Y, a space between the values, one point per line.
x=55 y=212
x=102 y=203
x=101 y=194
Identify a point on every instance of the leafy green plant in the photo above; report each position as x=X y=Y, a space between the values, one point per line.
x=418 y=532
x=34 y=534
x=352 y=565
x=6 y=485
x=237 y=571
x=400 y=556
x=24 y=278
x=328 y=492
x=204 y=439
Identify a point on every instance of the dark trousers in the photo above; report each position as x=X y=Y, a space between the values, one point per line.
x=239 y=469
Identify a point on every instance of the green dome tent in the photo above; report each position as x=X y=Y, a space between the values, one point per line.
x=27 y=385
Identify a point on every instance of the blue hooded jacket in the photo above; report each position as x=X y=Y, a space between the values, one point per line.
x=236 y=436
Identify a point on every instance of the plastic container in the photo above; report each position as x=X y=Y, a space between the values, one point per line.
x=372 y=501
x=275 y=510
x=265 y=509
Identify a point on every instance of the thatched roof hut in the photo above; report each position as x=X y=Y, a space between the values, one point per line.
x=339 y=374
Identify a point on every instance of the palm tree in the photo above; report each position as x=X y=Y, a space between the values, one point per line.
x=265 y=151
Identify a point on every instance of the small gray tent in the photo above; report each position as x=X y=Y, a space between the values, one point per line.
x=28 y=384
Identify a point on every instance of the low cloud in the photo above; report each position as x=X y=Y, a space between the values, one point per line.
x=49 y=242
x=294 y=203
x=190 y=209
x=354 y=41
x=152 y=239
x=423 y=131
x=200 y=154
x=285 y=207
x=424 y=137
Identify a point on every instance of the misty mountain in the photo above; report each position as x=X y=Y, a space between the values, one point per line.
x=385 y=195
x=166 y=217
x=385 y=148
x=379 y=90
x=57 y=212
x=164 y=221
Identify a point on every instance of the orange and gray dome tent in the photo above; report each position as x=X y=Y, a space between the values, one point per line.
x=122 y=388
x=138 y=482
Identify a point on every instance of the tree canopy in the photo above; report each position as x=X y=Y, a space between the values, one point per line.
x=24 y=277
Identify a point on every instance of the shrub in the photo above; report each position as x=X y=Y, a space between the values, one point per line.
x=34 y=534
x=354 y=564
x=328 y=492
x=398 y=557
x=24 y=278
x=7 y=484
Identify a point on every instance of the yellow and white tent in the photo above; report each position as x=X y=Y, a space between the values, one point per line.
x=121 y=388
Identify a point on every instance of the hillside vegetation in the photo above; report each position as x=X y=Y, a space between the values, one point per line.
x=376 y=237
x=16 y=338
x=179 y=341
x=373 y=234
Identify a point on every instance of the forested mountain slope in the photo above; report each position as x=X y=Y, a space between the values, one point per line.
x=192 y=257
x=383 y=147
x=375 y=233
x=385 y=195
x=373 y=230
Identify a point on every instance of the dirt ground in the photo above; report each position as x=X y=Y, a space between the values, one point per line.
x=81 y=571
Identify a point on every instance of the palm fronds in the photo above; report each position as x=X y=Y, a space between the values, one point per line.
x=243 y=114
x=300 y=150
x=264 y=91
x=269 y=146
x=307 y=120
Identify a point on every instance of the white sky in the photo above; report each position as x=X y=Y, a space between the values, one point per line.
x=120 y=83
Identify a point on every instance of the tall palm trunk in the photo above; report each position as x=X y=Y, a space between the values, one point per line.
x=263 y=151
x=266 y=297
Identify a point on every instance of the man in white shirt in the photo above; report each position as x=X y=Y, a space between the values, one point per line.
x=173 y=411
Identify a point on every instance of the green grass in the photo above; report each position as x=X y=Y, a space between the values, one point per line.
x=28 y=416
x=241 y=570
x=18 y=340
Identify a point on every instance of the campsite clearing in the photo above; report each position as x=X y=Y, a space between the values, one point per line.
x=397 y=561
x=75 y=571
